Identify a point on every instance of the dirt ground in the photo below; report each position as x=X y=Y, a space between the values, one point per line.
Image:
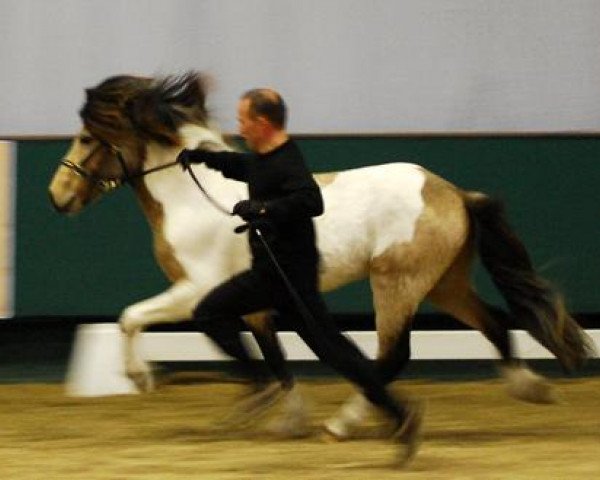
x=473 y=431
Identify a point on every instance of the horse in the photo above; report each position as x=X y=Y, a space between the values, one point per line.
x=413 y=234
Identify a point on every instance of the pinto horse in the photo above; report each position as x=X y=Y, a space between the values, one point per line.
x=413 y=234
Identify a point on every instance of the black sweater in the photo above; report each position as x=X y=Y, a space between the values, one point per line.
x=281 y=180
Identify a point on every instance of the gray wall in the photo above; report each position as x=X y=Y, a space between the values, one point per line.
x=343 y=65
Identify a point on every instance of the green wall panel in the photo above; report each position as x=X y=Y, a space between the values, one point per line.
x=95 y=263
x=100 y=261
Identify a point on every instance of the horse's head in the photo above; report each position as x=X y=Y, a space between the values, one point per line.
x=121 y=117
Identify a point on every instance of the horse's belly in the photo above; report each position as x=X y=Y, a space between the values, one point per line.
x=341 y=270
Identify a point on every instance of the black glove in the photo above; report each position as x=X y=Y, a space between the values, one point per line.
x=187 y=157
x=262 y=224
x=250 y=210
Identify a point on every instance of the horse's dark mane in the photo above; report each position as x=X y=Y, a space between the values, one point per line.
x=150 y=109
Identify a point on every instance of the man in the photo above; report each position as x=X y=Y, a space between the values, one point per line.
x=283 y=198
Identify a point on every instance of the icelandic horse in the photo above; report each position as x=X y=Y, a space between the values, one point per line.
x=412 y=233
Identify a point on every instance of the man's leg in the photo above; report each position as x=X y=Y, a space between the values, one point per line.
x=245 y=293
x=333 y=348
x=320 y=333
x=218 y=316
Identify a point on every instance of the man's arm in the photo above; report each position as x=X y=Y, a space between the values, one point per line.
x=232 y=165
x=302 y=197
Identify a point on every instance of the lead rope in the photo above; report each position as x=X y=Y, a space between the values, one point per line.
x=302 y=308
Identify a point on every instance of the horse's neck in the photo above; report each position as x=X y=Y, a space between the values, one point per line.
x=192 y=137
x=173 y=192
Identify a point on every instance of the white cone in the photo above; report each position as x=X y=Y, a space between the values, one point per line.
x=96 y=367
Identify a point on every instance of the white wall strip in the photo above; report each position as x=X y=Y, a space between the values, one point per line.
x=426 y=345
x=97 y=362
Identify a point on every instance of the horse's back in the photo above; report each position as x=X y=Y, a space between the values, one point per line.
x=371 y=211
x=370 y=194
x=387 y=203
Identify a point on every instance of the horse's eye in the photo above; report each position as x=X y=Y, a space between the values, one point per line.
x=85 y=140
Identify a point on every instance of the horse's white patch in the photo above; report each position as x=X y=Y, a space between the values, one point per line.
x=201 y=236
x=367 y=210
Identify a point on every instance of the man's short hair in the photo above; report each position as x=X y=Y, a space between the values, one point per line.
x=267 y=103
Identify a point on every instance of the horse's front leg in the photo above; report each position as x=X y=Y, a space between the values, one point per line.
x=173 y=305
x=293 y=419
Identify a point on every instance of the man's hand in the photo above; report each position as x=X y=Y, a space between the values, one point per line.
x=187 y=157
x=249 y=210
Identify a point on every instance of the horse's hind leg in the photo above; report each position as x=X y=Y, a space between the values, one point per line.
x=357 y=407
x=455 y=296
x=393 y=360
x=394 y=307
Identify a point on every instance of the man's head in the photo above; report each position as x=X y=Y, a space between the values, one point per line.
x=261 y=118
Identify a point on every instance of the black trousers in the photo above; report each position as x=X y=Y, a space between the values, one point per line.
x=262 y=288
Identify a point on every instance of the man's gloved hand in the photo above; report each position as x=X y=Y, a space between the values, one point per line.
x=187 y=157
x=262 y=224
x=250 y=210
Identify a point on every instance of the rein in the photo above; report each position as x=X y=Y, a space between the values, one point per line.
x=208 y=196
x=304 y=311
x=109 y=184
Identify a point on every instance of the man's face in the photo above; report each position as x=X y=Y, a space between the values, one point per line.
x=250 y=128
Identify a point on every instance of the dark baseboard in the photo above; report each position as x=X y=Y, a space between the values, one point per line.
x=49 y=327
x=50 y=336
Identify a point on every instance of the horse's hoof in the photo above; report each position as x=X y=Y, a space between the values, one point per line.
x=287 y=426
x=525 y=385
x=294 y=419
x=335 y=430
x=143 y=381
x=539 y=393
x=251 y=409
x=329 y=436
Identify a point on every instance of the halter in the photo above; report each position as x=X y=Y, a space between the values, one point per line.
x=108 y=184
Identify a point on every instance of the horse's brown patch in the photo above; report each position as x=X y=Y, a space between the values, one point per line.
x=324 y=179
x=260 y=322
x=162 y=248
x=442 y=201
x=405 y=272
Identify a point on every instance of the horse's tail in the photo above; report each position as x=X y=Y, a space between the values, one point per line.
x=534 y=304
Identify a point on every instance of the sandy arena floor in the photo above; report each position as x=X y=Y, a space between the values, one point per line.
x=473 y=431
